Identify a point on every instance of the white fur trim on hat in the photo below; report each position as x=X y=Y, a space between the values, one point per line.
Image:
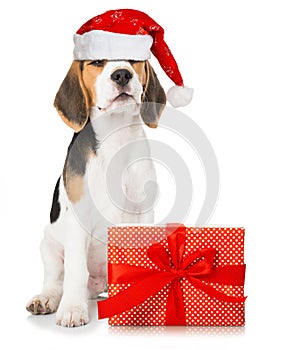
x=99 y=44
x=179 y=96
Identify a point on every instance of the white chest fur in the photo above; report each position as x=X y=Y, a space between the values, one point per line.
x=116 y=178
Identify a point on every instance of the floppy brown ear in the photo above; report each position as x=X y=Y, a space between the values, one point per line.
x=71 y=101
x=153 y=99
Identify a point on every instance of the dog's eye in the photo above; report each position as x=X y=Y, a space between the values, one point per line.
x=133 y=61
x=97 y=63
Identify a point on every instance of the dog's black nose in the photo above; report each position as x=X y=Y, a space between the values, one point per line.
x=121 y=76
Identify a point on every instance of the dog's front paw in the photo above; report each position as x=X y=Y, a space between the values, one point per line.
x=43 y=304
x=72 y=315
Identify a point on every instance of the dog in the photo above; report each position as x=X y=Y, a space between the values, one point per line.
x=107 y=103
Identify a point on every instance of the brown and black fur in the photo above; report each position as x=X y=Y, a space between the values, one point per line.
x=73 y=101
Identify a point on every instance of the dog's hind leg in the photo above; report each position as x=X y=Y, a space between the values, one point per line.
x=53 y=261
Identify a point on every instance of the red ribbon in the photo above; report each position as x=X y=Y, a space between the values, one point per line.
x=197 y=268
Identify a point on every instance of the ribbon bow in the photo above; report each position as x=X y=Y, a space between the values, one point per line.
x=197 y=268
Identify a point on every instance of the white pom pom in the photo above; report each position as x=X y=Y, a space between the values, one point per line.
x=179 y=96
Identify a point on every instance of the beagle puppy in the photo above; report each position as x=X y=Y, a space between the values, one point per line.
x=106 y=102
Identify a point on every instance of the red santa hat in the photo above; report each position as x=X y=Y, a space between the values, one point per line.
x=131 y=35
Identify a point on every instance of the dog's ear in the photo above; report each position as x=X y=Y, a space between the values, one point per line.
x=153 y=98
x=72 y=101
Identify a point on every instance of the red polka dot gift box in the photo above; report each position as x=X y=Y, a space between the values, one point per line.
x=175 y=275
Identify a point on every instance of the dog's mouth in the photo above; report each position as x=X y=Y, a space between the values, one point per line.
x=123 y=96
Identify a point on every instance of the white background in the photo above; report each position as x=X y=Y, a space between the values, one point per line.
x=234 y=55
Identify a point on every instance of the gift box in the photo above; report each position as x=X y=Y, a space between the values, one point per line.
x=175 y=275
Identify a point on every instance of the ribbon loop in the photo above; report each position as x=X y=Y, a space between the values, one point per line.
x=159 y=256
